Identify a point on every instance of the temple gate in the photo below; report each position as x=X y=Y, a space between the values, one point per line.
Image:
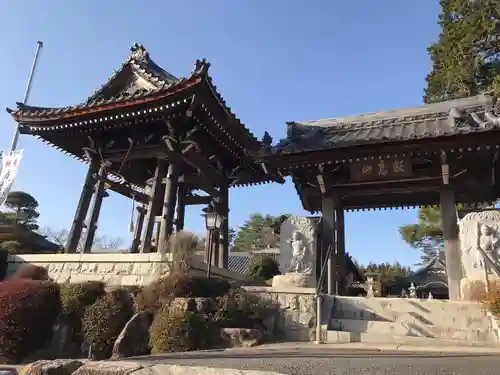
x=437 y=154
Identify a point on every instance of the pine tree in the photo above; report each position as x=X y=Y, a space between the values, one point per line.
x=466 y=58
x=465 y=62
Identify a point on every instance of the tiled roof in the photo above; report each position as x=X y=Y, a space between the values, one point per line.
x=161 y=84
x=474 y=114
x=238 y=261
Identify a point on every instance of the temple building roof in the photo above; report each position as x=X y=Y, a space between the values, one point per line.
x=137 y=108
x=460 y=116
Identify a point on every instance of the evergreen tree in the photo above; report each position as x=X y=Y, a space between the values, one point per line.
x=465 y=62
x=426 y=235
x=466 y=58
x=258 y=232
x=387 y=273
x=23 y=209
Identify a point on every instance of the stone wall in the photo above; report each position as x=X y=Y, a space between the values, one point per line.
x=113 y=268
x=297 y=320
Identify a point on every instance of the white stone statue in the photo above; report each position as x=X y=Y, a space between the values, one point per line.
x=413 y=291
x=298 y=245
x=369 y=284
x=430 y=296
x=489 y=241
x=301 y=253
x=298 y=238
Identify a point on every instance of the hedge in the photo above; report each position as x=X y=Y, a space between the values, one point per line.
x=103 y=321
x=31 y=272
x=177 y=331
x=164 y=290
x=28 y=310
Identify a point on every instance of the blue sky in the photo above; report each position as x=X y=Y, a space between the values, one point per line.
x=273 y=61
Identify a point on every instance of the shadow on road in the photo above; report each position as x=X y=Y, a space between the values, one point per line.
x=296 y=354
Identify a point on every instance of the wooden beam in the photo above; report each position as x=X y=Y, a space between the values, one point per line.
x=124 y=190
x=194 y=200
x=145 y=152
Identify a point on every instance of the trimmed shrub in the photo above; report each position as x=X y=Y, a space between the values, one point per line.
x=28 y=310
x=75 y=297
x=31 y=272
x=13 y=247
x=103 y=321
x=153 y=296
x=178 y=331
x=263 y=266
x=240 y=309
x=164 y=290
x=197 y=286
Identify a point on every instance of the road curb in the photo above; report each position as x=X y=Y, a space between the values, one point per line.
x=363 y=347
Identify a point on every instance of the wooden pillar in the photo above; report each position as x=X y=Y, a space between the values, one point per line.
x=99 y=193
x=449 y=222
x=78 y=224
x=328 y=239
x=340 y=253
x=141 y=212
x=168 y=210
x=181 y=207
x=216 y=247
x=224 y=207
x=154 y=201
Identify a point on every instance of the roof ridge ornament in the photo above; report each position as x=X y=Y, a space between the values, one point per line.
x=139 y=52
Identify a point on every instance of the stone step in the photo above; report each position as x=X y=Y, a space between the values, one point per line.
x=403 y=328
x=390 y=309
x=374 y=338
x=465 y=321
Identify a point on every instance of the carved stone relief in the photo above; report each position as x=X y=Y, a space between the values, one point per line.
x=479 y=238
x=298 y=245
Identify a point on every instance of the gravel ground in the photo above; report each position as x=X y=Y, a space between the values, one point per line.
x=334 y=361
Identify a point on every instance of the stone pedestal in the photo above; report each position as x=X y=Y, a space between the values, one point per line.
x=294 y=280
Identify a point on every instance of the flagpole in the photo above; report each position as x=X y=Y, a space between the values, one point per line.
x=39 y=45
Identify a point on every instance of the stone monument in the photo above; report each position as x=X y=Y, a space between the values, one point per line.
x=298 y=240
x=479 y=252
x=413 y=290
x=369 y=286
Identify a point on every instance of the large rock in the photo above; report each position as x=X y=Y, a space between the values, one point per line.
x=107 y=368
x=134 y=337
x=52 y=367
x=61 y=345
x=240 y=337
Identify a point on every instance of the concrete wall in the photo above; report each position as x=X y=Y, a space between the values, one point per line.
x=298 y=310
x=113 y=268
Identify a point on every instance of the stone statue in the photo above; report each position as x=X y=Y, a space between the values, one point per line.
x=298 y=237
x=413 y=291
x=300 y=253
x=489 y=241
x=369 y=284
x=297 y=245
x=430 y=296
x=404 y=293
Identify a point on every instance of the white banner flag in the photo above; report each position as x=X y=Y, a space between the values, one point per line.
x=10 y=164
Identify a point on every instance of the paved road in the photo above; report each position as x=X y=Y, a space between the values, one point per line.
x=337 y=362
